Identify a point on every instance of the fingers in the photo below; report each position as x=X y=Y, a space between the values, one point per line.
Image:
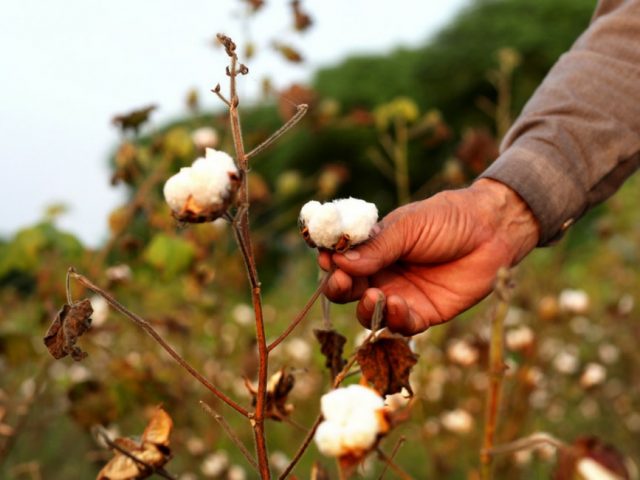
x=383 y=249
x=342 y=288
x=399 y=317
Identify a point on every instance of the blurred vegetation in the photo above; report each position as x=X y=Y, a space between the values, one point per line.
x=367 y=116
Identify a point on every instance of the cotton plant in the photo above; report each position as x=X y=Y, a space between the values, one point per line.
x=353 y=420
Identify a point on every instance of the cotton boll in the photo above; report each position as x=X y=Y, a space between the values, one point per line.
x=203 y=191
x=589 y=469
x=328 y=438
x=308 y=210
x=205 y=137
x=358 y=218
x=335 y=405
x=221 y=159
x=360 y=433
x=325 y=226
x=177 y=189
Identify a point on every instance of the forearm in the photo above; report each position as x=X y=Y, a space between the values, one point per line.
x=578 y=138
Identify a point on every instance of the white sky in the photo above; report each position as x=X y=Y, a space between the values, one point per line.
x=66 y=67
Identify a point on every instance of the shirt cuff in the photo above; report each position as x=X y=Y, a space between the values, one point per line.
x=553 y=195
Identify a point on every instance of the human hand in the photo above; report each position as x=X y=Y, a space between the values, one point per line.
x=434 y=258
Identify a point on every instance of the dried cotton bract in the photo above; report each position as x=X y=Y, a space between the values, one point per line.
x=339 y=224
x=353 y=419
x=202 y=192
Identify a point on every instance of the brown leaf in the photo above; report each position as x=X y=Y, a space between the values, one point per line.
x=332 y=347
x=71 y=322
x=595 y=449
x=288 y=52
x=153 y=451
x=279 y=386
x=301 y=20
x=134 y=119
x=386 y=363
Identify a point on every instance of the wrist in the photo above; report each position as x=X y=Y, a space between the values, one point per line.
x=512 y=221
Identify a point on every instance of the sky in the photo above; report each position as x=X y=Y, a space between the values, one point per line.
x=66 y=67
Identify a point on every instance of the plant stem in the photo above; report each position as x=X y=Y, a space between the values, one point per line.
x=303 y=313
x=300 y=112
x=244 y=238
x=142 y=323
x=496 y=373
x=229 y=431
x=390 y=463
x=336 y=383
x=529 y=442
x=389 y=459
x=401 y=161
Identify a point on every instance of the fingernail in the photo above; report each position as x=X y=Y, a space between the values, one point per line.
x=368 y=304
x=352 y=255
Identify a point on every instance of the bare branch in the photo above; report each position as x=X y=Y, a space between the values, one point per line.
x=142 y=323
x=229 y=431
x=300 y=112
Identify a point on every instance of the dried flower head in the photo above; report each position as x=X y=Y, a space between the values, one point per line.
x=203 y=192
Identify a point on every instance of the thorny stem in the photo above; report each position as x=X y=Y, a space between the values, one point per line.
x=303 y=313
x=336 y=383
x=388 y=462
x=227 y=428
x=160 y=471
x=142 y=323
x=301 y=110
x=496 y=372
x=244 y=237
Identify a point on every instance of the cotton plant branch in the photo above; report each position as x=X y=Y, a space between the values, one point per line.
x=243 y=238
x=389 y=463
x=302 y=314
x=496 y=372
x=376 y=322
x=229 y=431
x=144 y=325
x=531 y=441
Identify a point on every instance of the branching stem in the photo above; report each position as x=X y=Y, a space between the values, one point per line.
x=142 y=323
x=301 y=110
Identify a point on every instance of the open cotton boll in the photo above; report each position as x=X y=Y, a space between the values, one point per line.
x=352 y=422
x=325 y=226
x=202 y=192
x=339 y=224
x=358 y=218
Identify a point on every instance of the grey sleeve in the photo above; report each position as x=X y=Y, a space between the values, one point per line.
x=578 y=138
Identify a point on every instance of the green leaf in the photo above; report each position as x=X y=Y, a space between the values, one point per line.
x=171 y=255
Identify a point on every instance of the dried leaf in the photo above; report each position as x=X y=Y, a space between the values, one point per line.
x=593 y=448
x=288 y=52
x=332 y=347
x=301 y=20
x=386 y=363
x=133 y=120
x=279 y=386
x=153 y=451
x=255 y=4
x=71 y=322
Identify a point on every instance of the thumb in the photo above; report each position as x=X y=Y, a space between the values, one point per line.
x=386 y=247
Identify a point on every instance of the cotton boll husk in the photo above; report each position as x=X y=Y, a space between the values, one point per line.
x=358 y=218
x=328 y=438
x=325 y=226
x=177 y=189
